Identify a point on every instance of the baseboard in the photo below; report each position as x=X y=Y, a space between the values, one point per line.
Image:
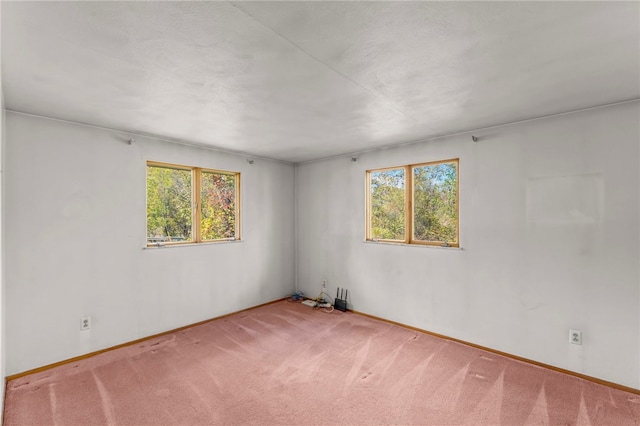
x=122 y=345
x=508 y=355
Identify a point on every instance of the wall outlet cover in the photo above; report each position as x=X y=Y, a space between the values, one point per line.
x=85 y=323
x=575 y=337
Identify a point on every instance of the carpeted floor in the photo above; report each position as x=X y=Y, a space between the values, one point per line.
x=286 y=363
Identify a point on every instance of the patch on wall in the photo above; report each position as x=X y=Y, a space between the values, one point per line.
x=562 y=200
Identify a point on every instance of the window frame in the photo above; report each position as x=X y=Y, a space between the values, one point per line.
x=196 y=203
x=409 y=195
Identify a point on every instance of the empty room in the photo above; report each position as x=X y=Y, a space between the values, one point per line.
x=320 y=213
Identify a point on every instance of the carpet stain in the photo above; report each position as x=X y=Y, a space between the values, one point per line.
x=19 y=385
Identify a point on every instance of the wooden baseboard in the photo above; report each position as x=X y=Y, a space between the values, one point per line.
x=122 y=345
x=508 y=355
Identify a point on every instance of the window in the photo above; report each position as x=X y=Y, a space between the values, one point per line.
x=414 y=204
x=191 y=205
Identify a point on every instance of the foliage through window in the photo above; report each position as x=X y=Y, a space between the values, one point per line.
x=191 y=205
x=388 y=204
x=414 y=204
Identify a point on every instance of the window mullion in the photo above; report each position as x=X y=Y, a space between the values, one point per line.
x=408 y=215
x=197 y=213
x=238 y=224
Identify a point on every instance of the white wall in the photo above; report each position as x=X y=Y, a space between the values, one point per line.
x=549 y=230
x=75 y=231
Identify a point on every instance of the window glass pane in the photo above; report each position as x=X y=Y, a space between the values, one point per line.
x=435 y=210
x=169 y=214
x=218 y=206
x=388 y=204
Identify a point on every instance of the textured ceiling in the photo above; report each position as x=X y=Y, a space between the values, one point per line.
x=297 y=81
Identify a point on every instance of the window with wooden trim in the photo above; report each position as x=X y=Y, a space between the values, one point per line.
x=191 y=204
x=414 y=204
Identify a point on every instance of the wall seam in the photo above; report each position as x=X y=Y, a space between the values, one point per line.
x=295 y=226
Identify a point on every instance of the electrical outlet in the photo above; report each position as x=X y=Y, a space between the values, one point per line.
x=85 y=323
x=575 y=337
x=324 y=284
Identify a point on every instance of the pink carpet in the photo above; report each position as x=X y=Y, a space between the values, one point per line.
x=290 y=364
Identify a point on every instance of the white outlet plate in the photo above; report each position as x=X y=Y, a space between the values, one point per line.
x=85 y=323
x=575 y=337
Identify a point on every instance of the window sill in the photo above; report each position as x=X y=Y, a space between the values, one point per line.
x=207 y=243
x=389 y=243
